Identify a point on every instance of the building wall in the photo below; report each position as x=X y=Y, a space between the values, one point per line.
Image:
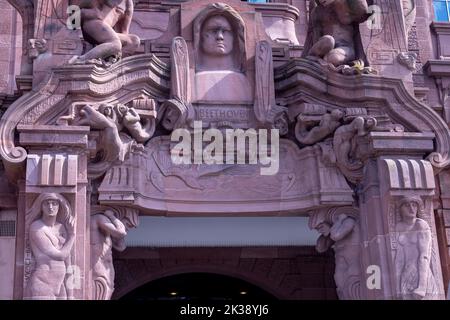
x=7 y=253
x=10 y=46
x=291 y=273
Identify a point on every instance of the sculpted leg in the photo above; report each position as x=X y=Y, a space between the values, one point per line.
x=340 y=56
x=100 y=32
x=323 y=46
x=130 y=43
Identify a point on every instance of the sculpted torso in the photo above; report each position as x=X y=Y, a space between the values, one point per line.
x=44 y=241
x=109 y=11
x=51 y=243
x=107 y=232
x=106 y=25
x=413 y=257
x=332 y=25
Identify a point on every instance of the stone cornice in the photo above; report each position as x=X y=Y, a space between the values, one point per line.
x=389 y=94
x=441 y=27
x=437 y=68
x=277 y=9
x=127 y=79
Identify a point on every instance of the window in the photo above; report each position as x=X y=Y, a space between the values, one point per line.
x=442 y=10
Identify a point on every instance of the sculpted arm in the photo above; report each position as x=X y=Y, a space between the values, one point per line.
x=424 y=244
x=112 y=226
x=43 y=243
x=126 y=20
x=342 y=228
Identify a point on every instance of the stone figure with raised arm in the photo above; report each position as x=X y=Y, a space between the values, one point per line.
x=106 y=25
x=107 y=232
x=414 y=254
x=333 y=33
x=51 y=238
x=340 y=230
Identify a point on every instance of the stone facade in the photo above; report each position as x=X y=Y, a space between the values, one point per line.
x=347 y=107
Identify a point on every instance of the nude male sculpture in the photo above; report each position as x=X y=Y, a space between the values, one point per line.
x=333 y=30
x=106 y=24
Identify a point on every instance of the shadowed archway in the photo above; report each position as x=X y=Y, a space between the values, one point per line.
x=198 y=286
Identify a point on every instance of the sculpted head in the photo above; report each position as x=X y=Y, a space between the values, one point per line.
x=217 y=37
x=50 y=207
x=410 y=207
x=219 y=34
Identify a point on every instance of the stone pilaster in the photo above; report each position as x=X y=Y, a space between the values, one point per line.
x=393 y=178
x=56 y=165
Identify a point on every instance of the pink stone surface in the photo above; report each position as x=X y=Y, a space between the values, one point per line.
x=356 y=149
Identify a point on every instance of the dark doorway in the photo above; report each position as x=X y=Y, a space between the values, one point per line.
x=198 y=286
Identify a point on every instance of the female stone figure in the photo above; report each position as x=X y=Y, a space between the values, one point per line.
x=414 y=251
x=51 y=238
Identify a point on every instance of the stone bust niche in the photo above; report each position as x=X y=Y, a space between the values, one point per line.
x=220 y=56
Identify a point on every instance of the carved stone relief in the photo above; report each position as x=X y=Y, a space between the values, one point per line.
x=332 y=116
x=156 y=183
x=409 y=12
x=107 y=232
x=340 y=230
x=220 y=55
x=315 y=124
x=121 y=129
x=414 y=251
x=106 y=25
x=408 y=59
x=333 y=34
x=346 y=146
x=51 y=235
x=109 y=227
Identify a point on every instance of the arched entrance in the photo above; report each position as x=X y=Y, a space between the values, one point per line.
x=285 y=273
x=198 y=286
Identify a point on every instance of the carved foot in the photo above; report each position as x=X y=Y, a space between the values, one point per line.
x=104 y=63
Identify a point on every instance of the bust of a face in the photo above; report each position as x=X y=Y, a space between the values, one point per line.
x=50 y=207
x=409 y=210
x=217 y=37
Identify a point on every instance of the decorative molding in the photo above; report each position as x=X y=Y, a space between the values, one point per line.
x=387 y=95
x=134 y=75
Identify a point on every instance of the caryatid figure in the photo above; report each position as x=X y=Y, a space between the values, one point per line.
x=107 y=232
